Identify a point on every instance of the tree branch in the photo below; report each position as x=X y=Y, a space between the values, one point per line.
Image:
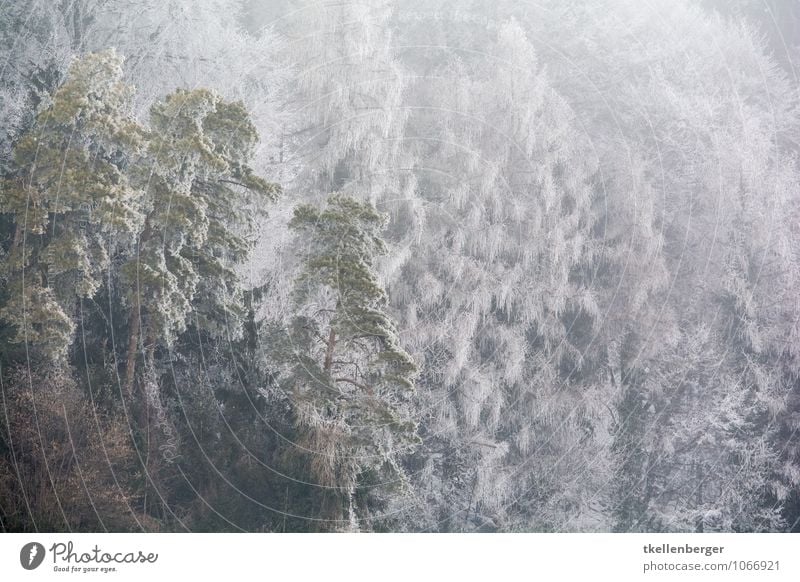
x=356 y=384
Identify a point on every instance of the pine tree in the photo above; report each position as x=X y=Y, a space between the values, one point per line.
x=351 y=381
x=72 y=202
x=201 y=200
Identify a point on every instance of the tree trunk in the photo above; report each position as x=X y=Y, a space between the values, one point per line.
x=133 y=341
x=17 y=236
x=329 y=351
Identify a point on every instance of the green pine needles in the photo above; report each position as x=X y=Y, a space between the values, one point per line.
x=72 y=201
x=162 y=212
x=352 y=381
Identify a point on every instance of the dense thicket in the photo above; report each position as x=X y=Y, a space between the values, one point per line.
x=529 y=267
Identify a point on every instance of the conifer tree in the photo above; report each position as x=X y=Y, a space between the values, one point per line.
x=351 y=380
x=72 y=202
x=201 y=199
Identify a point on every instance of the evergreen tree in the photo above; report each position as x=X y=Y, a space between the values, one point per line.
x=351 y=381
x=201 y=201
x=72 y=202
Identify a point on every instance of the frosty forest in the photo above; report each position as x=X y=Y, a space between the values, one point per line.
x=400 y=265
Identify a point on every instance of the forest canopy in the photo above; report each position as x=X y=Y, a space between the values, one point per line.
x=282 y=265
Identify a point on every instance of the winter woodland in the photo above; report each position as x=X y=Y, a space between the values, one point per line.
x=400 y=265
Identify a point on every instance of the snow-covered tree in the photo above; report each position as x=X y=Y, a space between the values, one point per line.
x=699 y=186
x=490 y=289
x=36 y=52
x=71 y=200
x=350 y=379
x=347 y=98
x=201 y=200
